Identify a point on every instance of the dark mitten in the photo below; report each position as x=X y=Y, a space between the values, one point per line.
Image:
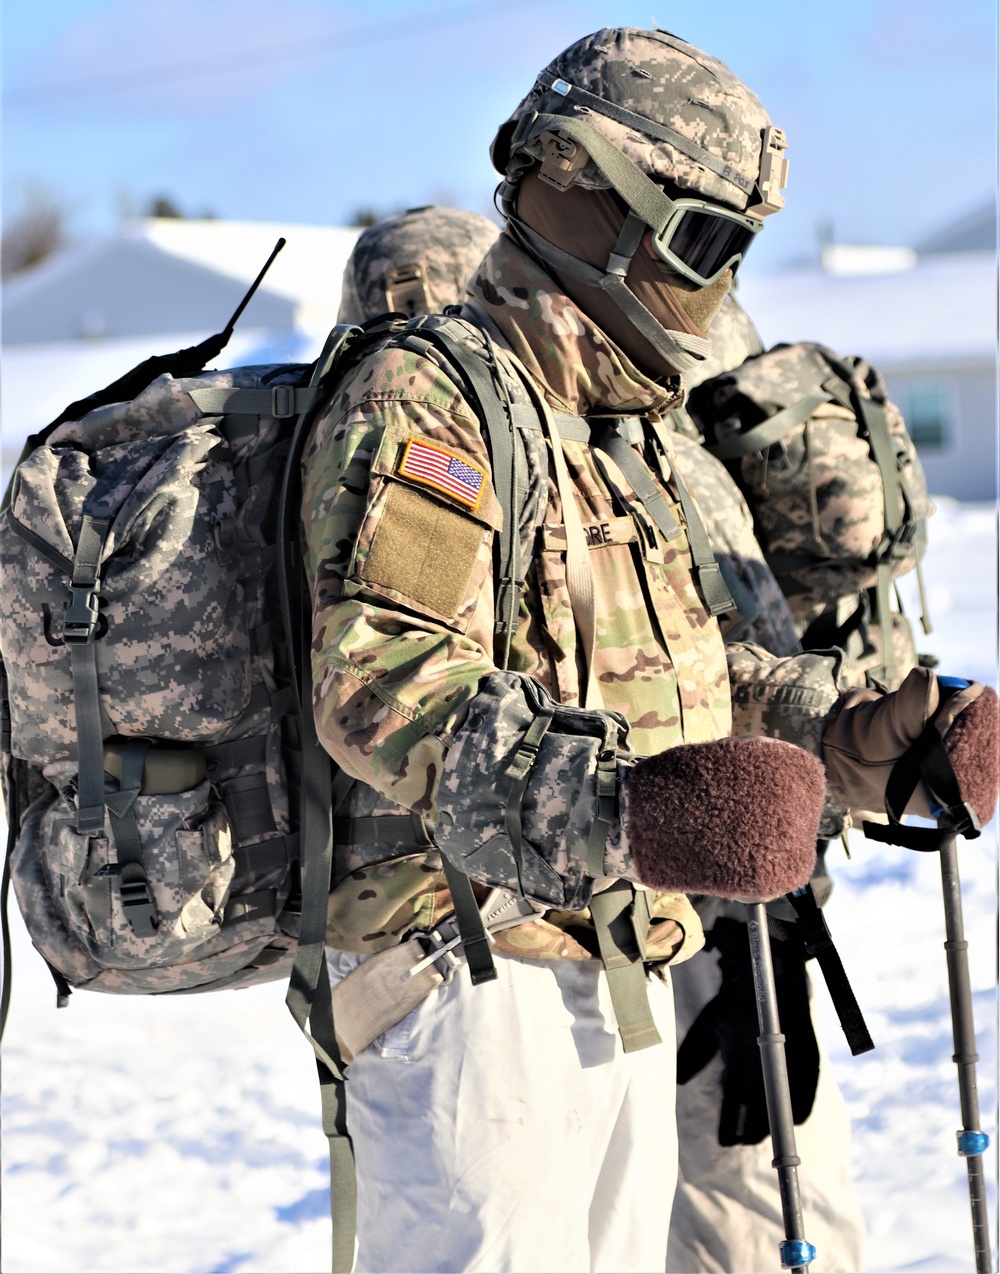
x=735 y=818
x=728 y=1025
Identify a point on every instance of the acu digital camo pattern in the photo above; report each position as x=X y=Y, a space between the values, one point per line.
x=706 y=103
x=186 y=593
x=816 y=495
x=446 y=243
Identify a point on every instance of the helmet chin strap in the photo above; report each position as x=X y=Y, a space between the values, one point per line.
x=682 y=350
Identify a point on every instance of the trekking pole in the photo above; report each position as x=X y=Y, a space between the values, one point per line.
x=971 y=1141
x=796 y=1253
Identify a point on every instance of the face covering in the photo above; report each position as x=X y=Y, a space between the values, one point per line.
x=586 y=224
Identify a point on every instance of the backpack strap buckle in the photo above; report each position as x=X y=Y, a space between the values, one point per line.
x=137 y=900
x=82 y=615
x=283 y=401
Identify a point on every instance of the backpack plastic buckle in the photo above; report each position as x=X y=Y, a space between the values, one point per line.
x=439 y=945
x=137 y=900
x=282 y=401
x=82 y=616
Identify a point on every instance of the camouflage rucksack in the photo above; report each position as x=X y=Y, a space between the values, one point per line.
x=139 y=632
x=833 y=481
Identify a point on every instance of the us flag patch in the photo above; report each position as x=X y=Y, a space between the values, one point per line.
x=431 y=465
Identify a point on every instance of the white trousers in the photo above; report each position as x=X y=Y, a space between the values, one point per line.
x=727 y=1209
x=501 y=1128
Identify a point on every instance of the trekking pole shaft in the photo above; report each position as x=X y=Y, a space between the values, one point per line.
x=776 y=1090
x=965 y=1057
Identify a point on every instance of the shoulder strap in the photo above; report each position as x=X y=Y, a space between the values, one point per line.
x=323 y=790
x=483 y=386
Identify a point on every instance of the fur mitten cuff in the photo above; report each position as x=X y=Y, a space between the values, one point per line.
x=735 y=818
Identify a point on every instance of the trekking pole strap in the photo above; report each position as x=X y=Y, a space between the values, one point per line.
x=819 y=944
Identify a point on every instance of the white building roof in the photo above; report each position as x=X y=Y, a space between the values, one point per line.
x=941 y=308
x=308 y=270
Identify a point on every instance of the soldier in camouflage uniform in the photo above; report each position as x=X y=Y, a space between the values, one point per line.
x=519 y=1134
x=753 y=1223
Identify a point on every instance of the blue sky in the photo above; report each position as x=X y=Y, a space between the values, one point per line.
x=311 y=109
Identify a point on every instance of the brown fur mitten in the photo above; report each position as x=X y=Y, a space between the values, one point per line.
x=736 y=818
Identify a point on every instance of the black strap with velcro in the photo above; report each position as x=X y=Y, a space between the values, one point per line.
x=818 y=942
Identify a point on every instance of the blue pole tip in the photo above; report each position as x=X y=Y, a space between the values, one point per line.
x=796 y=1252
x=972 y=1143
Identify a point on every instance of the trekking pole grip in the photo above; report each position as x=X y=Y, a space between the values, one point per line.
x=971 y=1140
x=796 y=1252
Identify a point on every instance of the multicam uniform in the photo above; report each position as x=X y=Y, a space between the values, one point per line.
x=409 y=698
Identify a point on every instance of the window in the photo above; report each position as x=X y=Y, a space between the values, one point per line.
x=926 y=412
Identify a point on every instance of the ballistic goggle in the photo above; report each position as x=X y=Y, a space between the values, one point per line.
x=702 y=240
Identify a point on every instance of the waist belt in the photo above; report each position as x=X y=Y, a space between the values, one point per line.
x=387 y=986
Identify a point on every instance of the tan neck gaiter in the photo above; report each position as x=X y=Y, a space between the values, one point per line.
x=586 y=224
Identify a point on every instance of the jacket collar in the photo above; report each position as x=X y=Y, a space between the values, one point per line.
x=578 y=368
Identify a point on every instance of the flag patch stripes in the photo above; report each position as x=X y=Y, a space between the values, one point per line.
x=433 y=466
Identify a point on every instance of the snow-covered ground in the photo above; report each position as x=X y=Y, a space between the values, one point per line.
x=183 y=1135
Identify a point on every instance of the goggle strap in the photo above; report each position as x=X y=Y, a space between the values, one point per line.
x=625 y=249
x=640 y=192
x=684 y=352
x=652 y=129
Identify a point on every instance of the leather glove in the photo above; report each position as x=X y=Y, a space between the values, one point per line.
x=736 y=818
x=872 y=731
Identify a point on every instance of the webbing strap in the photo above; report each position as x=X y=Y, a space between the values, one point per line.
x=606 y=780
x=79 y=633
x=876 y=423
x=471 y=929
x=650 y=127
x=632 y=465
x=579 y=569
x=681 y=349
x=517 y=775
x=769 y=431
x=818 y=941
x=13 y=827
x=279 y=401
x=713 y=587
x=614 y=916
x=121 y=804
x=883 y=583
x=493 y=410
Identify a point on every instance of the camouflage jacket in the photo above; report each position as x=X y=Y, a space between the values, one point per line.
x=408 y=695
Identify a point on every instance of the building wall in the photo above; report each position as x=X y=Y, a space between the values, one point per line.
x=962 y=462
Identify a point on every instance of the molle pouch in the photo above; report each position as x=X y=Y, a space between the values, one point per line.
x=121 y=561
x=139 y=906
x=527 y=796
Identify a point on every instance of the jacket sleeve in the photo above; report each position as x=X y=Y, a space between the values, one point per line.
x=790 y=697
x=405 y=684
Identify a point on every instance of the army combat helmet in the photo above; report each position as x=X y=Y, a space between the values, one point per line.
x=416 y=263
x=686 y=150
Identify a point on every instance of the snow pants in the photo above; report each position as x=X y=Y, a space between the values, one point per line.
x=502 y=1128
x=727 y=1210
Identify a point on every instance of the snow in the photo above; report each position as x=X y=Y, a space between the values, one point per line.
x=182 y=1135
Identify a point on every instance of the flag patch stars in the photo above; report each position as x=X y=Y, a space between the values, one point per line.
x=429 y=464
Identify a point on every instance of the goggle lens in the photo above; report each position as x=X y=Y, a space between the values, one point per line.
x=705 y=243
